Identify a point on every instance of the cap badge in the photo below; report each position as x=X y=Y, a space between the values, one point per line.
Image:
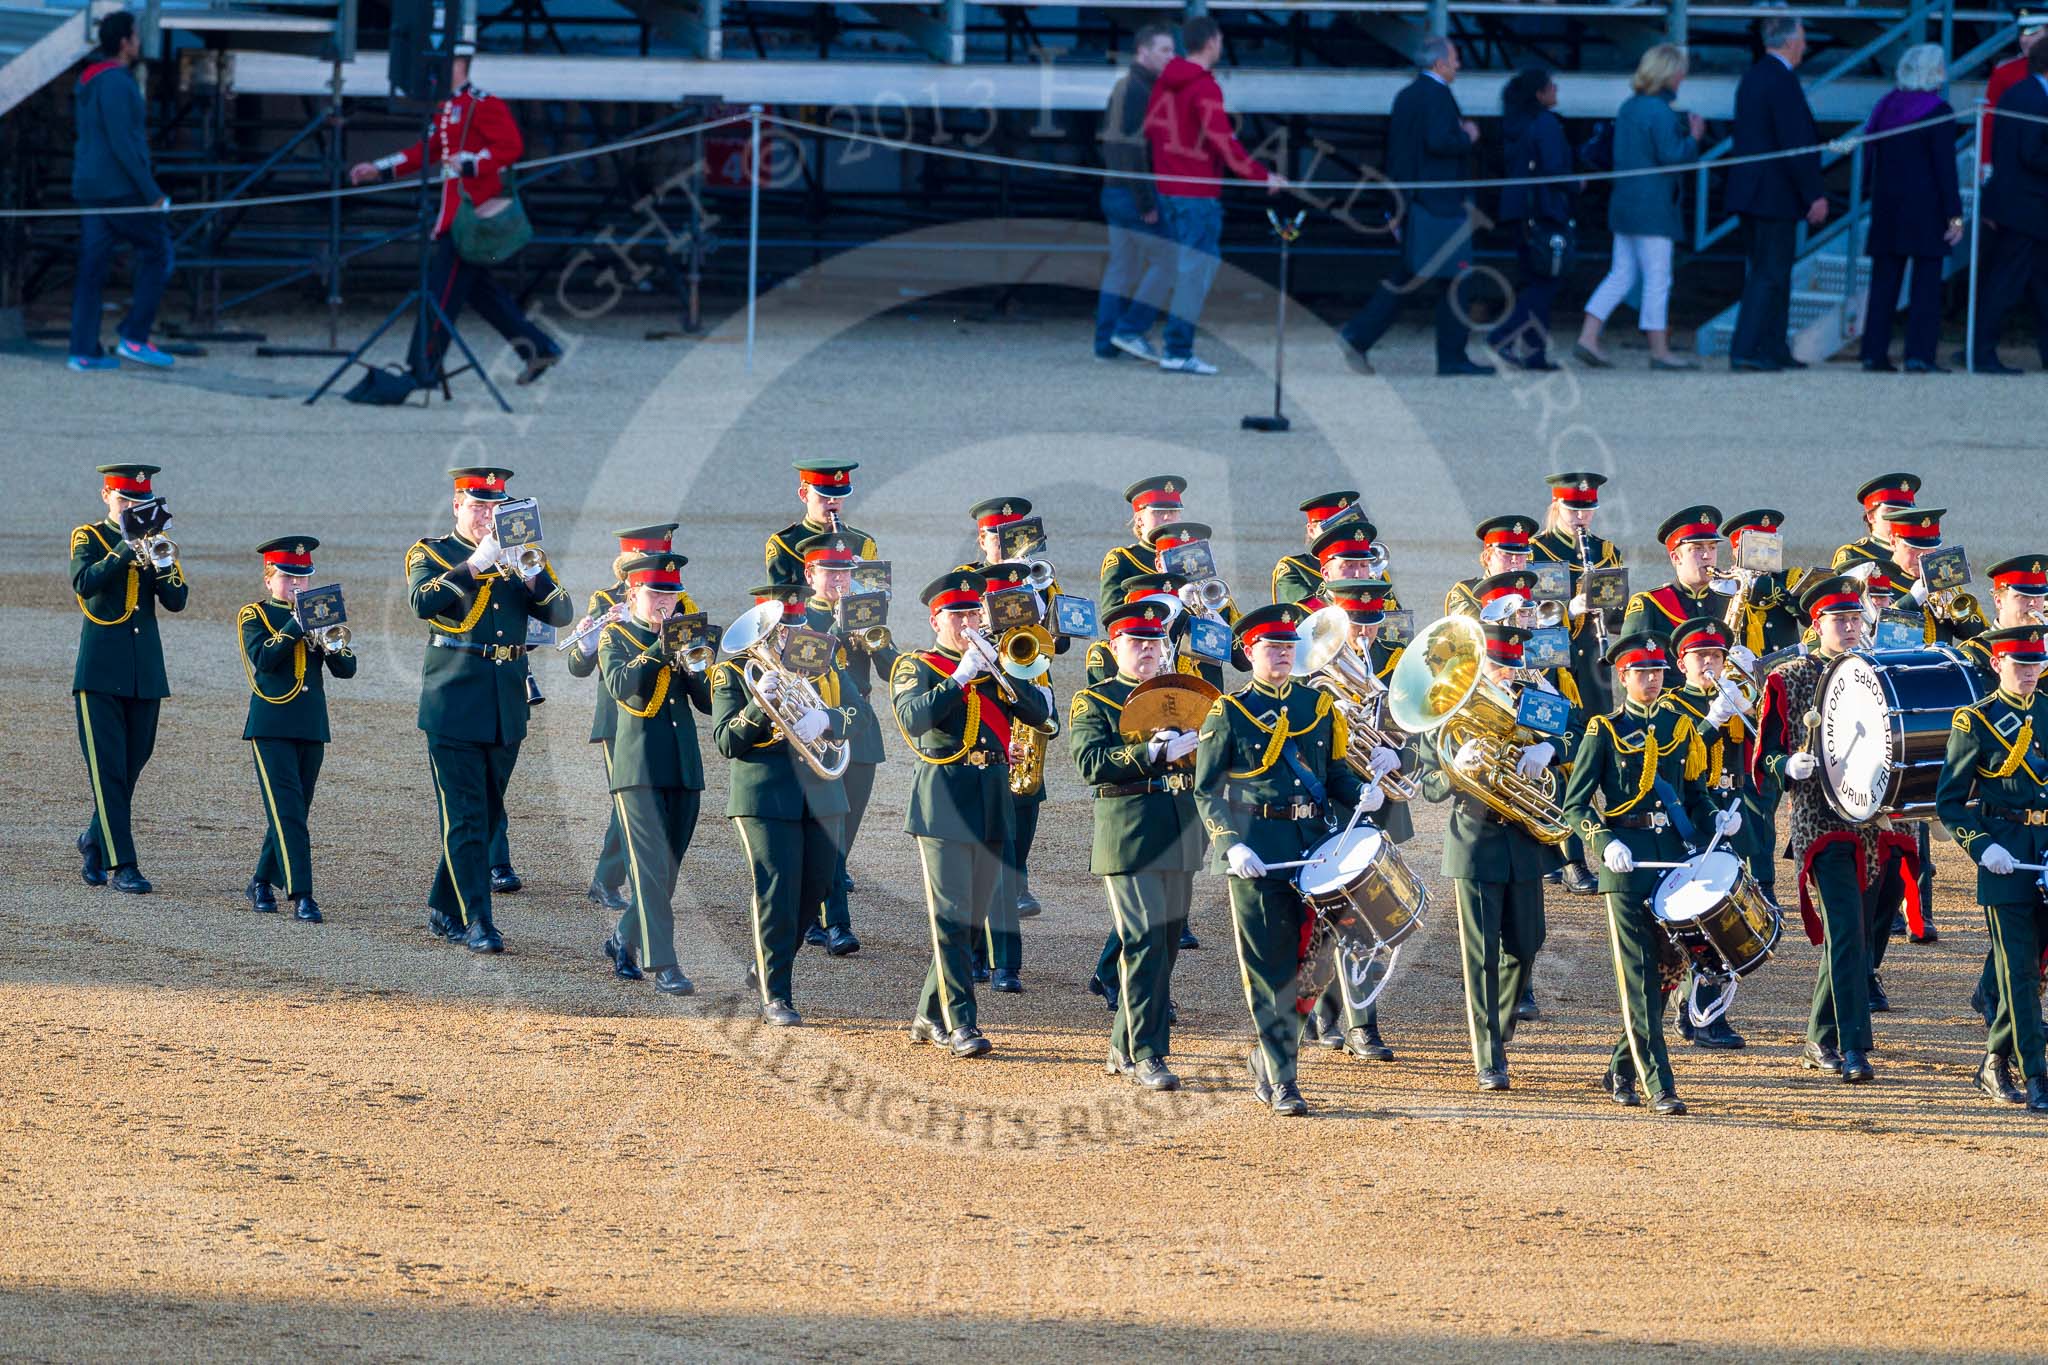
x=1151 y=613
x=298 y=549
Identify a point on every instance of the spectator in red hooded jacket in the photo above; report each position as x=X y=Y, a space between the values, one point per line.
x=1191 y=137
x=477 y=143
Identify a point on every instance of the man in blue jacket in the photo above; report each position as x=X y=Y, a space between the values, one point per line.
x=110 y=169
x=1771 y=115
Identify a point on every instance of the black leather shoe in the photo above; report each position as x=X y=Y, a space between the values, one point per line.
x=1028 y=906
x=846 y=880
x=1494 y=1079
x=261 y=898
x=443 y=926
x=926 y=1031
x=1753 y=366
x=1820 y=1057
x=1667 y=1102
x=1932 y=935
x=1554 y=877
x=815 y=935
x=1326 y=1032
x=607 y=898
x=978 y=975
x=1880 y=367
x=1718 y=1034
x=1579 y=881
x=131 y=881
x=623 y=965
x=1926 y=367
x=1172 y=1010
x=1105 y=989
x=2037 y=1094
x=1457 y=369
x=1117 y=1064
x=1188 y=939
x=91 y=869
x=1620 y=1089
x=483 y=937
x=1525 y=1008
x=1287 y=1100
x=1685 y=1025
x=306 y=908
x=1153 y=1074
x=1880 y=1003
x=966 y=1041
x=1262 y=1089
x=504 y=881
x=1994 y=1078
x=780 y=1014
x=1899 y=925
x=1006 y=981
x=671 y=981
x=841 y=942
x=1856 y=1067
x=1364 y=1043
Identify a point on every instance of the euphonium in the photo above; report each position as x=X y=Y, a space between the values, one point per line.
x=1327 y=662
x=1440 y=689
x=748 y=641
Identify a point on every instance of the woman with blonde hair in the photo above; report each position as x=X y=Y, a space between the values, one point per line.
x=1916 y=209
x=1644 y=214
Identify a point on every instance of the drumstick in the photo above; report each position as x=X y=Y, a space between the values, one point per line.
x=1357 y=812
x=1659 y=866
x=1298 y=862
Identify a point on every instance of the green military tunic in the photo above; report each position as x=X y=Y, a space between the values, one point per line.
x=1299 y=577
x=858 y=668
x=1613 y=787
x=1147 y=849
x=1996 y=755
x=791 y=821
x=1865 y=550
x=1589 y=670
x=1124 y=562
x=118 y=683
x=287 y=732
x=785 y=565
x=656 y=778
x=960 y=809
x=1665 y=609
x=473 y=703
x=1267 y=776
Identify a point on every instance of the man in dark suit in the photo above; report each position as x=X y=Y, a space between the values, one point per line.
x=2016 y=205
x=1771 y=115
x=1428 y=140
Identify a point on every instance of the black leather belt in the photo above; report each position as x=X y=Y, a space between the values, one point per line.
x=2014 y=814
x=1172 y=782
x=979 y=758
x=1654 y=820
x=1294 y=810
x=496 y=653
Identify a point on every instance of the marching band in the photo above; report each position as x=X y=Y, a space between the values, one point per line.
x=1634 y=746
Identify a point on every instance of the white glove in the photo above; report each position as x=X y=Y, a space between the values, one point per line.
x=1384 y=761
x=1244 y=863
x=1801 y=766
x=465 y=164
x=969 y=668
x=811 y=724
x=1535 y=758
x=1182 y=745
x=770 y=687
x=485 y=555
x=1155 y=751
x=1470 y=758
x=1743 y=657
x=1996 y=860
x=1618 y=858
x=1919 y=593
x=1722 y=710
x=1578 y=606
x=1375 y=796
x=1728 y=823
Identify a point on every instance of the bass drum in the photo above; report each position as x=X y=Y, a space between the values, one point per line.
x=1884 y=729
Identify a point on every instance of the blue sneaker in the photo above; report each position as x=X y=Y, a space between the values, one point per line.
x=82 y=363
x=144 y=354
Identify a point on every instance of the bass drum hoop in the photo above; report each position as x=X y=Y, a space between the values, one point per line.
x=1885 y=666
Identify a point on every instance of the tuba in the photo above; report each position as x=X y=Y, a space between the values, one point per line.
x=1328 y=662
x=748 y=641
x=1439 y=689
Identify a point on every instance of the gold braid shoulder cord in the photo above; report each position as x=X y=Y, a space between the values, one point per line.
x=661 y=679
x=967 y=736
x=249 y=670
x=134 y=580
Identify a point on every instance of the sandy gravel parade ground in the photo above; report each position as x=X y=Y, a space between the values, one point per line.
x=232 y=1136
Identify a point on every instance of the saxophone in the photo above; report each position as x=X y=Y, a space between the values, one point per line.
x=1027 y=757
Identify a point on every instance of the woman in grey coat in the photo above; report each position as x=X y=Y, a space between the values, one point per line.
x=1644 y=213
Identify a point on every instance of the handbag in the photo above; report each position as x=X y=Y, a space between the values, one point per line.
x=495 y=237
x=1548 y=248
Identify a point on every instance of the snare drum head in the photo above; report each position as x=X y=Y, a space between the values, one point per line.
x=1855 y=741
x=1344 y=858
x=1688 y=892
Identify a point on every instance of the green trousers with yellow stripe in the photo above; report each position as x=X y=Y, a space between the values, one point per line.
x=1146 y=912
x=1639 y=1054
x=611 y=855
x=959 y=876
x=658 y=822
x=469 y=792
x=795 y=864
x=2017 y=934
x=1266 y=915
x=286 y=771
x=117 y=736
x=1500 y=930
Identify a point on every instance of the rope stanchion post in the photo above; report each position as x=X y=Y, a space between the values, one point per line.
x=753 y=224
x=1286 y=229
x=1976 y=236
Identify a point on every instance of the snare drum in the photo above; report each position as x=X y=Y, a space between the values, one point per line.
x=1360 y=877
x=1884 y=729
x=1717 y=915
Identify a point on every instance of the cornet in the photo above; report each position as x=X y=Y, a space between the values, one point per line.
x=1041 y=574
x=524 y=560
x=1206 y=597
x=330 y=639
x=871 y=639
x=160 y=551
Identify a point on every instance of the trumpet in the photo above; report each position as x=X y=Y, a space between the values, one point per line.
x=1041 y=574
x=524 y=560
x=594 y=626
x=991 y=661
x=871 y=639
x=1953 y=606
x=1329 y=662
x=749 y=641
x=1026 y=651
x=1205 y=597
x=330 y=639
x=698 y=656
x=160 y=551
